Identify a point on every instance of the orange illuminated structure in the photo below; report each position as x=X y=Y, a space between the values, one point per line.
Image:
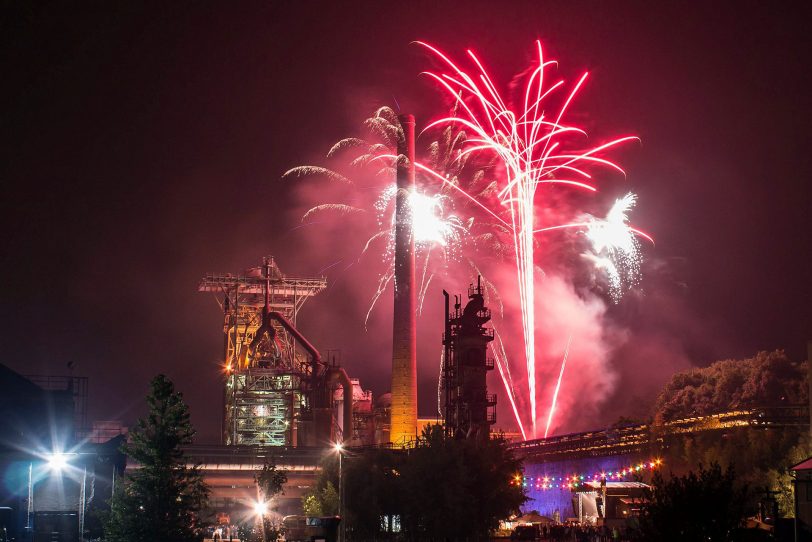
x=403 y=428
x=266 y=369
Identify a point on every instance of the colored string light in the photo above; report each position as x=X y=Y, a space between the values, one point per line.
x=576 y=480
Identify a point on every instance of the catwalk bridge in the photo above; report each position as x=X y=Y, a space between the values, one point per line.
x=648 y=438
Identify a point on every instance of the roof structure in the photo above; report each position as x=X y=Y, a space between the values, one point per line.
x=617 y=485
x=806 y=464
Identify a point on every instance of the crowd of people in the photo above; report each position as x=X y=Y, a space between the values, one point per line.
x=572 y=532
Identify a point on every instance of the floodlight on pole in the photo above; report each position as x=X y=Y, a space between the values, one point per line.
x=339 y=448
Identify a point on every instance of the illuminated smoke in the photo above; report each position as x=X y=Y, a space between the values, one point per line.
x=486 y=201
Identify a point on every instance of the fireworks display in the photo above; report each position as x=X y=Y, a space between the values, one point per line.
x=488 y=188
x=443 y=207
x=615 y=248
x=533 y=147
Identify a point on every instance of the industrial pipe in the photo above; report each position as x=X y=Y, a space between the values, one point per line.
x=299 y=338
x=338 y=373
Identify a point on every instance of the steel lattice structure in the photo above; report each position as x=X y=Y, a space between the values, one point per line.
x=264 y=398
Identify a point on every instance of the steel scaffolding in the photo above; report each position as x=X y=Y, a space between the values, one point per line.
x=265 y=375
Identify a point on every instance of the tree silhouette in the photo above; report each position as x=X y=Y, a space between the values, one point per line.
x=707 y=505
x=270 y=481
x=766 y=379
x=162 y=498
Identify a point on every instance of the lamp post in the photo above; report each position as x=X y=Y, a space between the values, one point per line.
x=339 y=447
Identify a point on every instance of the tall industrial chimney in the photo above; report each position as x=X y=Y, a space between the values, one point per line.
x=404 y=338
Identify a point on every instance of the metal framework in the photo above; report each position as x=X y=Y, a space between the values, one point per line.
x=265 y=373
x=469 y=410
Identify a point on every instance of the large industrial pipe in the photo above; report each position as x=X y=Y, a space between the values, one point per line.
x=404 y=338
x=335 y=374
x=315 y=356
x=339 y=374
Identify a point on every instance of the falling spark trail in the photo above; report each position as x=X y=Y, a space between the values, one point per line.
x=558 y=386
x=507 y=381
x=323 y=269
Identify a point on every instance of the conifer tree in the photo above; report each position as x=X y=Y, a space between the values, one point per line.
x=162 y=498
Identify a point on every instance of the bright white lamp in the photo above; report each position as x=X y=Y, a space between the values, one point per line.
x=57 y=461
x=260 y=508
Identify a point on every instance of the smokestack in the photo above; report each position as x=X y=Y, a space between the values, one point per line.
x=404 y=338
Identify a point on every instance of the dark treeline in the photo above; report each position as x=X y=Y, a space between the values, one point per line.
x=761 y=456
x=442 y=489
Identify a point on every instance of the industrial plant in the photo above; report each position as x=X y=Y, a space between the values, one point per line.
x=279 y=392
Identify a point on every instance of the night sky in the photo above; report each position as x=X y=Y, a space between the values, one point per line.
x=143 y=146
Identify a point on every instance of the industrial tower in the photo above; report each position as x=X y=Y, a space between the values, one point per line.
x=468 y=409
x=268 y=380
x=404 y=336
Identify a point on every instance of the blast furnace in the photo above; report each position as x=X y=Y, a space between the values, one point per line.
x=277 y=390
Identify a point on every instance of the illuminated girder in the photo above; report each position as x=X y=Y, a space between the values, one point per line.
x=649 y=437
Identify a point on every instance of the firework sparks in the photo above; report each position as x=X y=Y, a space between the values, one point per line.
x=531 y=148
x=429 y=224
x=558 y=386
x=439 y=230
x=614 y=246
x=504 y=373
